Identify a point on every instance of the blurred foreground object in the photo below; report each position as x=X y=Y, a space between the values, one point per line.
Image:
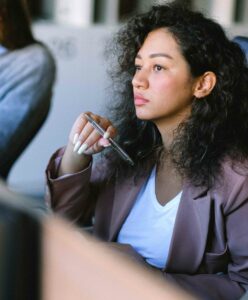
x=20 y=246
x=47 y=258
x=77 y=267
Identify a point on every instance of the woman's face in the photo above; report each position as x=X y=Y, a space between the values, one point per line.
x=162 y=85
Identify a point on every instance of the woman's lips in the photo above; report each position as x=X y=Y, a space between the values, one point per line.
x=140 y=101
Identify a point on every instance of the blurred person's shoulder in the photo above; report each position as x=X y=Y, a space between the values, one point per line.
x=35 y=56
x=40 y=54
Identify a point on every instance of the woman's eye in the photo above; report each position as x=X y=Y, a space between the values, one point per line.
x=137 y=67
x=158 y=68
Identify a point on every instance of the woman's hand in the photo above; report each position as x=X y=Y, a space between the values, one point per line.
x=84 y=141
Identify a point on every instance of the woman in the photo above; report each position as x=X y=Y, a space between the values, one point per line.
x=27 y=74
x=181 y=114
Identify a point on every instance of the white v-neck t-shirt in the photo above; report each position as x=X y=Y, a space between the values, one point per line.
x=149 y=226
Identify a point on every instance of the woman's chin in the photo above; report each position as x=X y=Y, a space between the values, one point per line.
x=143 y=116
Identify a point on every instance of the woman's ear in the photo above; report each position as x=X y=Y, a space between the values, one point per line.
x=205 y=84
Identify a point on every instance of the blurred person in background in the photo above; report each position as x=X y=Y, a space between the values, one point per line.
x=27 y=75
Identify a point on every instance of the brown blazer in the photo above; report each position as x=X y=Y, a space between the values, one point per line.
x=209 y=249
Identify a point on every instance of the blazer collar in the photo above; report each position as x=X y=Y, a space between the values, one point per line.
x=190 y=232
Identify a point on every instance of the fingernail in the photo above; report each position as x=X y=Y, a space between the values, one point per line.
x=76 y=136
x=104 y=142
x=106 y=145
x=77 y=146
x=106 y=135
x=82 y=148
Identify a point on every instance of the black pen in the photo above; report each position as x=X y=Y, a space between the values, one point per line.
x=114 y=145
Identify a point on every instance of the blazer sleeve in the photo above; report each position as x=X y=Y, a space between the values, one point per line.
x=73 y=196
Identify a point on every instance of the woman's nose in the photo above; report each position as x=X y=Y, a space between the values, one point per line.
x=140 y=80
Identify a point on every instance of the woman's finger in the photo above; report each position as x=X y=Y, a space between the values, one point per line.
x=89 y=140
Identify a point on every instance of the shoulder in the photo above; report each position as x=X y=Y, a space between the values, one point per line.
x=38 y=50
x=39 y=54
x=231 y=188
x=42 y=64
x=234 y=173
x=33 y=57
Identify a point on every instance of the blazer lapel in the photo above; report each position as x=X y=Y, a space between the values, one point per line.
x=190 y=232
x=124 y=198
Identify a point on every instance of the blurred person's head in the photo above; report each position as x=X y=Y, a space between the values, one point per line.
x=15 y=29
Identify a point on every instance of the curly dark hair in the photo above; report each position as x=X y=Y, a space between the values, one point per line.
x=15 y=24
x=218 y=125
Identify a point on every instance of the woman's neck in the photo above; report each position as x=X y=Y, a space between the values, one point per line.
x=168 y=126
x=167 y=135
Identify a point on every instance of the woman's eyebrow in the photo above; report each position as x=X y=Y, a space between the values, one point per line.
x=156 y=55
